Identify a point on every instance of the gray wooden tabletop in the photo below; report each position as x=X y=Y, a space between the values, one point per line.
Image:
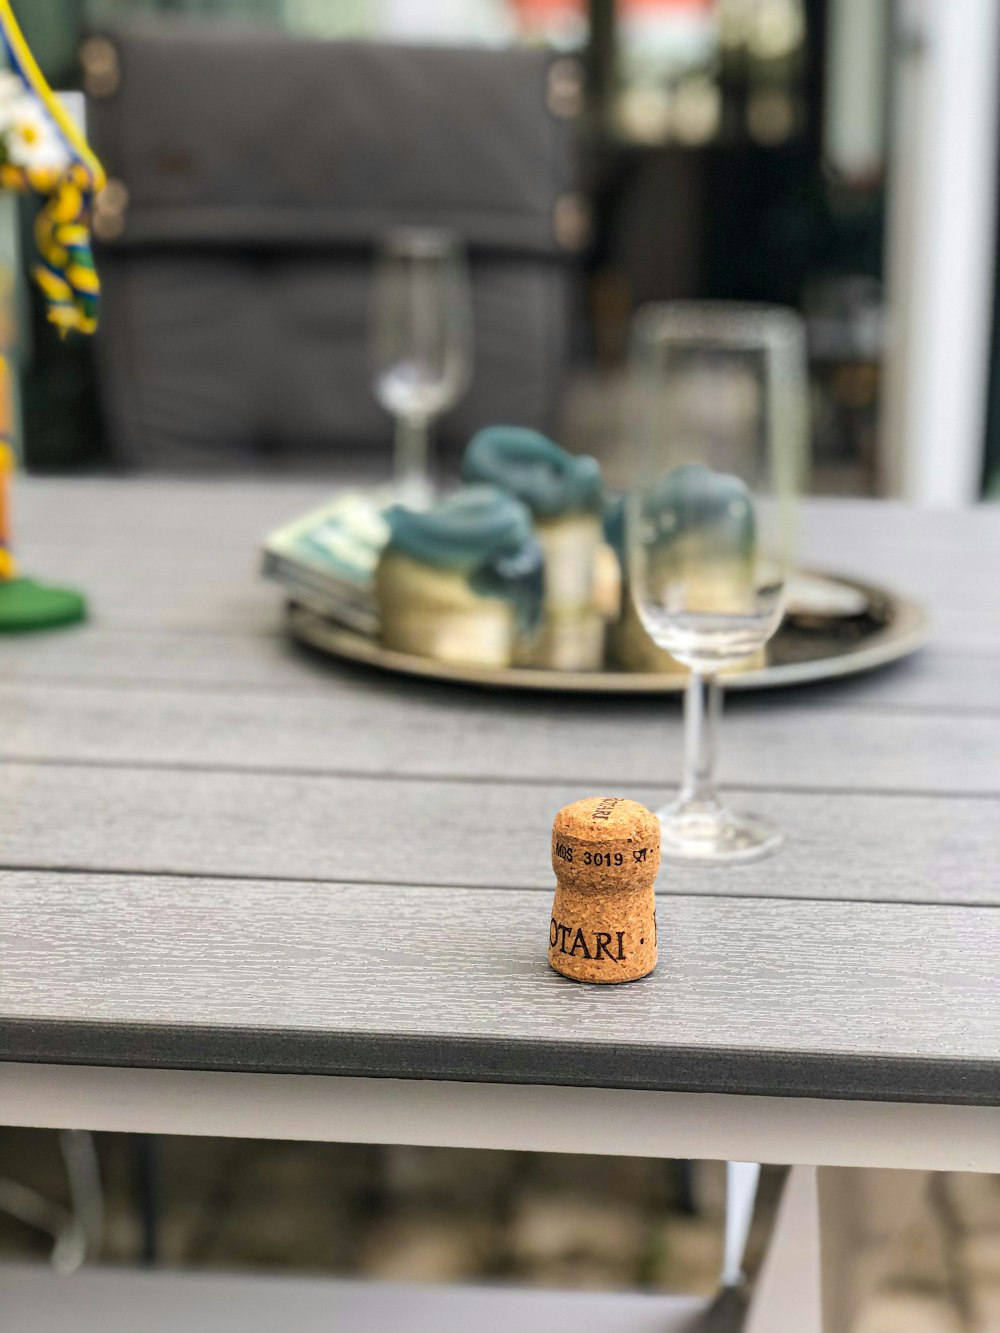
x=219 y=851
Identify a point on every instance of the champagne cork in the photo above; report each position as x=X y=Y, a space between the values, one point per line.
x=606 y=855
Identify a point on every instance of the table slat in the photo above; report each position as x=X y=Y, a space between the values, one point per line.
x=156 y=588
x=207 y=512
x=184 y=555
x=835 y=999
x=868 y=848
x=935 y=678
x=408 y=728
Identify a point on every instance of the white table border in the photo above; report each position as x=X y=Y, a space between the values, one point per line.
x=538 y=1118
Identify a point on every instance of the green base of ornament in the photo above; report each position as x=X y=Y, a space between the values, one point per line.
x=26 y=606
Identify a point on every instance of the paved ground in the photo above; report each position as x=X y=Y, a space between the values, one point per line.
x=443 y=1214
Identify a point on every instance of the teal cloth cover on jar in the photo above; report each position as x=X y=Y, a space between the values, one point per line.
x=693 y=501
x=692 y=497
x=613 y=523
x=699 y=535
x=530 y=466
x=484 y=533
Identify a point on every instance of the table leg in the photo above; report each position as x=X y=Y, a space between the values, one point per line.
x=830 y=1247
x=786 y=1296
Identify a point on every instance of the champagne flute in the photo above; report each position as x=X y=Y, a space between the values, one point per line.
x=711 y=532
x=421 y=343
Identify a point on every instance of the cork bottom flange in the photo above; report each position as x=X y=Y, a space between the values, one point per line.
x=603 y=939
x=602 y=981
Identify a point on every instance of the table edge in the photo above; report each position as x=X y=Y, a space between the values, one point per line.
x=472 y=1059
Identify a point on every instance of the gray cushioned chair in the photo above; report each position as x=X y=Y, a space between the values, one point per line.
x=250 y=174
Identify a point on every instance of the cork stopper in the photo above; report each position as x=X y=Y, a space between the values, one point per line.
x=606 y=856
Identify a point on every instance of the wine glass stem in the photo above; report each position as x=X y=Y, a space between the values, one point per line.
x=702 y=709
x=411 y=452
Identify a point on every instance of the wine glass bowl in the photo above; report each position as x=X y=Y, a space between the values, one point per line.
x=721 y=393
x=699 y=589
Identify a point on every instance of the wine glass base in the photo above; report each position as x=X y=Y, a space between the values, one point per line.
x=414 y=492
x=714 y=835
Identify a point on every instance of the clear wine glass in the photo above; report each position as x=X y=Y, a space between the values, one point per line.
x=421 y=342
x=721 y=394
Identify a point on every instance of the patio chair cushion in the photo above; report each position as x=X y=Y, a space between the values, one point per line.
x=258 y=170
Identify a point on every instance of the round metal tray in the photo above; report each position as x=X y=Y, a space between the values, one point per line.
x=806 y=648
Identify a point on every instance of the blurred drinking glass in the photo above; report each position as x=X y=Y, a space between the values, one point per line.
x=421 y=339
x=721 y=392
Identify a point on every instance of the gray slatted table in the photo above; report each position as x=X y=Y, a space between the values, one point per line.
x=222 y=854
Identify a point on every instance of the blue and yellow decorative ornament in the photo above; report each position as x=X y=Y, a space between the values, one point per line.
x=42 y=152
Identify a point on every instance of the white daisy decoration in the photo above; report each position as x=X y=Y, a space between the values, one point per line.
x=11 y=91
x=32 y=138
